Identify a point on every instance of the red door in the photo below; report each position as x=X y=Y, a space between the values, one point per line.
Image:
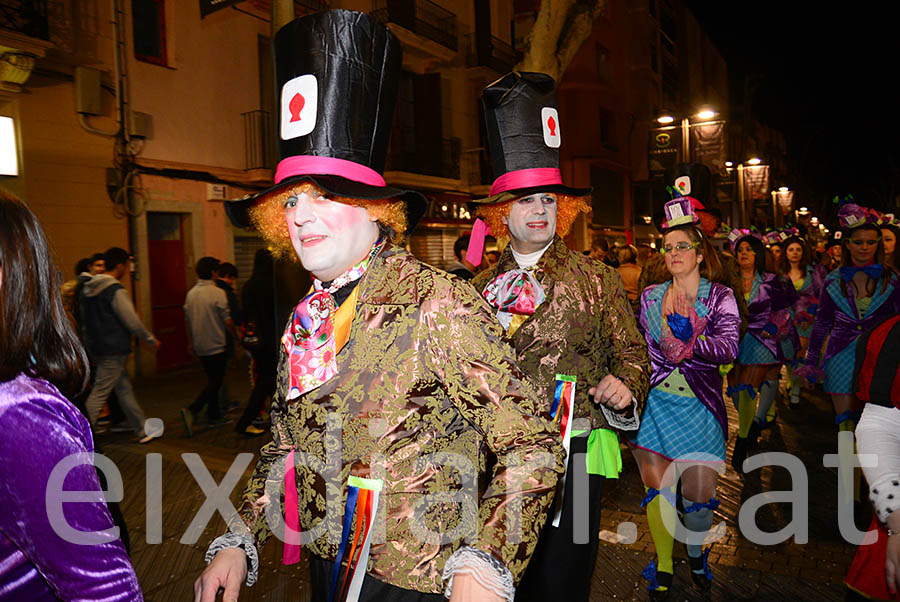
x=167 y=291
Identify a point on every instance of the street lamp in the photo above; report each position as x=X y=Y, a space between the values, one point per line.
x=665 y=119
x=706 y=115
x=754 y=161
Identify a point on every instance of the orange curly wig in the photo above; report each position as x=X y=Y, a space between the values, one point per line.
x=268 y=218
x=567 y=209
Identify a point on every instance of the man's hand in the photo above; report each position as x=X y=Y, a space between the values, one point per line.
x=612 y=393
x=227 y=570
x=467 y=589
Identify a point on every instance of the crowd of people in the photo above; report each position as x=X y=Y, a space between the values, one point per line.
x=510 y=389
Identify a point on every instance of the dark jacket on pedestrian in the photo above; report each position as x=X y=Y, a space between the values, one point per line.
x=108 y=319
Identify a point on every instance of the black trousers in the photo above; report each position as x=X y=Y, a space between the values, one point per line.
x=264 y=387
x=214 y=366
x=560 y=569
x=373 y=590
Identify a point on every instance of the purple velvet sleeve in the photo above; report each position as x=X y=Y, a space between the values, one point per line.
x=41 y=428
x=719 y=343
x=821 y=327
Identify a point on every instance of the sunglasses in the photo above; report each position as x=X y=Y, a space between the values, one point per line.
x=681 y=247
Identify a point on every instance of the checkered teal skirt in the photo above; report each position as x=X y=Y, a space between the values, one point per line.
x=680 y=427
x=751 y=352
x=839 y=371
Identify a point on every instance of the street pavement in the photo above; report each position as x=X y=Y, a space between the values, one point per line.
x=168 y=557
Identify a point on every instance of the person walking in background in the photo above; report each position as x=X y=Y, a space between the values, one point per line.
x=109 y=321
x=208 y=325
x=630 y=272
x=225 y=277
x=42 y=364
x=692 y=327
x=461 y=267
x=260 y=337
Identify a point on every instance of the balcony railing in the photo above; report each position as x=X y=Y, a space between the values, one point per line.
x=445 y=165
x=259 y=143
x=27 y=17
x=491 y=52
x=422 y=17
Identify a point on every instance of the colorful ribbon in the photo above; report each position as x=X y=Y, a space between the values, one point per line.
x=873 y=271
x=361 y=505
x=561 y=411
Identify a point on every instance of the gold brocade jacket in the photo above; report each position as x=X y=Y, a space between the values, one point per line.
x=426 y=390
x=584 y=328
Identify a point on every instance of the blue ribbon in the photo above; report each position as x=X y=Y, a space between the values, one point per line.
x=652 y=493
x=848 y=415
x=706 y=570
x=873 y=271
x=712 y=504
x=649 y=573
x=557 y=398
x=732 y=392
x=680 y=326
x=349 y=507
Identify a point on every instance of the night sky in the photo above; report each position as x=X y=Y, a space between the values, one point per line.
x=830 y=80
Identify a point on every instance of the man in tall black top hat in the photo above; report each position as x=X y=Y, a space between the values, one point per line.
x=394 y=384
x=569 y=320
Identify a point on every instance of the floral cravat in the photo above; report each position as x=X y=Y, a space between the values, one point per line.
x=310 y=340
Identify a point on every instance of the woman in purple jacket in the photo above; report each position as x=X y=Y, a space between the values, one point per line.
x=769 y=299
x=854 y=297
x=49 y=550
x=796 y=265
x=691 y=325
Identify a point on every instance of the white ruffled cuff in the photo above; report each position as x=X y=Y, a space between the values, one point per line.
x=620 y=420
x=244 y=542
x=489 y=572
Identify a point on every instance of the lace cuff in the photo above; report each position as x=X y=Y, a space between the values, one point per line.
x=489 y=572
x=621 y=420
x=244 y=542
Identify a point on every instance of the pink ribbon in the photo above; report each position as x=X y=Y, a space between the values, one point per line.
x=526 y=178
x=476 y=242
x=291 y=554
x=307 y=165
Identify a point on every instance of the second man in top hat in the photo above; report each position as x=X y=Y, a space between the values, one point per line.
x=568 y=319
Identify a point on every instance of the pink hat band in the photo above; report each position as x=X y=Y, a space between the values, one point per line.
x=310 y=165
x=527 y=178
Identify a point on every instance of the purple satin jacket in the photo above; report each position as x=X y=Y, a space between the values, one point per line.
x=769 y=296
x=839 y=318
x=717 y=344
x=38 y=428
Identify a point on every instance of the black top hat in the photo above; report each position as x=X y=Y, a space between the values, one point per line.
x=523 y=134
x=338 y=75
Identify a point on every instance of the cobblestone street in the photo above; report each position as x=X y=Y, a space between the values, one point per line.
x=742 y=570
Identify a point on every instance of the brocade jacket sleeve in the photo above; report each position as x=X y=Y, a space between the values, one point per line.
x=479 y=373
x=629 y=362
x=821 y=327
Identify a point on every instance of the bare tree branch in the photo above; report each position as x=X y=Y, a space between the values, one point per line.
x=561 y=27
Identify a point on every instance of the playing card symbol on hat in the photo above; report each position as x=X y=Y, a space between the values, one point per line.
x=550 y=121
x=683 y=184
x=298 y=106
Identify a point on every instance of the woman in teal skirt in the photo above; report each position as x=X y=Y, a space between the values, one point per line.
x=691 y=325
x=769 y=299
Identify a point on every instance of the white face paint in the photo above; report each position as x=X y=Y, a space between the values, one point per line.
x=532 y=222
x=329 y=237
